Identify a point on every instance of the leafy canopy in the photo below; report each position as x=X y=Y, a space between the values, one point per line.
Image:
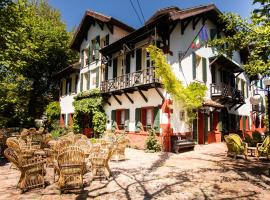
x=252 y=36
x=34 y=45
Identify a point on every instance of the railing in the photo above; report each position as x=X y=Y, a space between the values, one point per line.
x=141 y=77
x=225 y=90
x=258 y=108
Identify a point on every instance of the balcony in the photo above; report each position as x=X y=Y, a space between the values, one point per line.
x=142 y=80
x=225 y=94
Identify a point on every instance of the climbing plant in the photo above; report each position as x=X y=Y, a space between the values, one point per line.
x=191 y=97
x=86 y=104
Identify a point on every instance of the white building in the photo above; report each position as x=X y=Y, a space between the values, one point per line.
x=113 y=57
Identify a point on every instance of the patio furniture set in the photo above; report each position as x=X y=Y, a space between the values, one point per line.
x=71 y=156
x=237 y=147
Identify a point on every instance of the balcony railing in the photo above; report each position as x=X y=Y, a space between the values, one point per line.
x=134 y=79
x=222 y=90
x=258 y=108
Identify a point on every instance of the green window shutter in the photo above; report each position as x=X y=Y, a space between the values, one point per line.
x=127 y=63
x=193 y=65
x=213 y=33
x=66 y=87
x=113 y=116
x=248 y=123
x=114 y=67
x=81 y=83
x=157 y=119
x=243 y=87
x=106 y=72
x=88 y=81
x=220 y=121
x=67 y=120
x=138 y=59
x=82 y=60
x=204 y=70
x=244 y=122
x=107 y=39
x=247 y=90
x=97 y=45
x=137 y=119
x=127 y=119
x=90 y=55
x=97 y=77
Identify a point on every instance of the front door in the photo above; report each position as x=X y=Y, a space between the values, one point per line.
x=202 y=128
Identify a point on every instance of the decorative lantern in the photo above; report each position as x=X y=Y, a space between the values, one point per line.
x=256 y=99
x=266 y=82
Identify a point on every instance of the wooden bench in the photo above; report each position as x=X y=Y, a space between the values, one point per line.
x=182 y=145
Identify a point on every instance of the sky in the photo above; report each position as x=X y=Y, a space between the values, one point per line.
x=72 y=11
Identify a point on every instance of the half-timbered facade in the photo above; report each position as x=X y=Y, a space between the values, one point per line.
x=113 y=58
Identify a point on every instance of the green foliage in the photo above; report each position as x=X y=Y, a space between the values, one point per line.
x=34 y=45
x=53 y=111
x=248 y=139
x=252 y=35
x=58 y=131
x=256 y=136
x=191 y=97
x=86 y=104
x=152 y=144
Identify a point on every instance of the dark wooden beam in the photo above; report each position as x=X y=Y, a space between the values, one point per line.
x=110 y=27
x=101 y=25
x=184 y=25
x=238 y=106
x=141 y=93
x=131 y=101
x=106 y=100
x=160 y=93
x=172 y=27
x=204 y=18
x=195 y=21
x=120 y=103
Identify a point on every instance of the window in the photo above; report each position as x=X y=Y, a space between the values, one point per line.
x=94 y=80
x=121 y=117
x=68 y=86
x=148 y=62
x=147 y=118
x=76 y=83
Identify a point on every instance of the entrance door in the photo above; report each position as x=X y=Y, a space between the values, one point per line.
x=202 y=128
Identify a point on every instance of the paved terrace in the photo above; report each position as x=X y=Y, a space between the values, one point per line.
x=205 y=173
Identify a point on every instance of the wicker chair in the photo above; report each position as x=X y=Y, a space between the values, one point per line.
x=71 y=165
x=263 y=148
x=32 y=169
x=100 y=163
x=119 y=150
x=235 y=145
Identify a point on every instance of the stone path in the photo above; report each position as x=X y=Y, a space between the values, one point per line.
x=201 y=174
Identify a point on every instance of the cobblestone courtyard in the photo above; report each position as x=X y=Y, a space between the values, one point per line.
x=205 y=173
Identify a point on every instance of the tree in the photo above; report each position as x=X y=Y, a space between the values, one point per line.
x=34 y=45
x=253 y=36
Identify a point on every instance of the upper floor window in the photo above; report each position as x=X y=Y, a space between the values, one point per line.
x=148 y=61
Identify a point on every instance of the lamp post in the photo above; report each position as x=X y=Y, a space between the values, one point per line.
x=266 y=82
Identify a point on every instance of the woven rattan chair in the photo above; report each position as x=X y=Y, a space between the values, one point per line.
x=100 y=163
x=71 y=164
x=119 y=150
x=32 y=169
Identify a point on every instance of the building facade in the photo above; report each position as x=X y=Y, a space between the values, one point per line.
x=113 y=57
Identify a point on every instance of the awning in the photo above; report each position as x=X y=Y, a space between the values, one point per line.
x=226 y=62
x=211 y=103
x=68 y=70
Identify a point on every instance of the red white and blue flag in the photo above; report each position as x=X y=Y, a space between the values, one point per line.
x=200 y=39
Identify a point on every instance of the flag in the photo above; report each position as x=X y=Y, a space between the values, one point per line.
x=200 y=39
x=196 y=43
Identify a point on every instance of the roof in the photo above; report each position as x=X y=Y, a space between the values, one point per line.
x=89 y=18
x=164 y=16
x=226 y=61
x=68 y=70
x=211 y=103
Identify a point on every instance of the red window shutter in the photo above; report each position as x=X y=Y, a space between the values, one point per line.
x=118 y=118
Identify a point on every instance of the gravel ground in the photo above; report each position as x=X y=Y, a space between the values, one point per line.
x=205 y=173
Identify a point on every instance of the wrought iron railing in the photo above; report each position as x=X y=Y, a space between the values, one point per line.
x=141 y=77
x=225 y=90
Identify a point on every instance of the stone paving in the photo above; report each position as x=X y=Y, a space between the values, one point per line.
x=205 y=173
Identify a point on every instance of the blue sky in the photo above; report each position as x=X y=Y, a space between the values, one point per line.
x=73 y=10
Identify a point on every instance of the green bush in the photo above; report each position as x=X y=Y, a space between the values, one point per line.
x=248 y=139
x=58 y=131
x=152 y=144
x=256 y=136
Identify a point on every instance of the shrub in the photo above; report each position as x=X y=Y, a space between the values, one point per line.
x=248 y=139
x=152 y=144
x=240 y=133
x=256 y=136
x=58 y=131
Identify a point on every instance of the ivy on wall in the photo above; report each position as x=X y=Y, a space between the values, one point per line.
x=191 y=97
x=89 y=103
